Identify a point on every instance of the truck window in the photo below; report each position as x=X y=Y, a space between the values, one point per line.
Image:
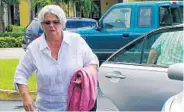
x=171 y=15
x=117 y=19
x=177 y=15
x=181 y=13
x=165 y=16
x=144 y=17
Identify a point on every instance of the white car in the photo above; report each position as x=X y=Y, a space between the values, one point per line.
x=130 y=83
x=176 y=102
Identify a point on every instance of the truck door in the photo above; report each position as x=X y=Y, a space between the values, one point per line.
x=115 y=30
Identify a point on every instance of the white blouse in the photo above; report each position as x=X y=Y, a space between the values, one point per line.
x=53 y=76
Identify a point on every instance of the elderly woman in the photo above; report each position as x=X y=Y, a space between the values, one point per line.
x=55 y=56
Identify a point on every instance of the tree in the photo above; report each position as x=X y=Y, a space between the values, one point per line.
x=2 y=4
x=86 y=6
x=42 y=3
x=47 y=2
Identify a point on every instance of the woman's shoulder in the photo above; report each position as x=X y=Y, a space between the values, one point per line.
x=36 y=42
x=73 y=37
x=73 y=34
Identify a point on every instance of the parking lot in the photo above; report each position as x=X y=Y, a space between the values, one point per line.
x=8 y=53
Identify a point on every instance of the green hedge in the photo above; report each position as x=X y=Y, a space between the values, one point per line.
x=10 y=42
x=18 y=28
x=11 y=34
x=15 y=28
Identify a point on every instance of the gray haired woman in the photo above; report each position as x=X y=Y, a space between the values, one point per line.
x=55 y=56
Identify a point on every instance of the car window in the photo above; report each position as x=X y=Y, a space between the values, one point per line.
x=138 y=51
x=131 y=54
x=171 y=15
x=117 y=18
x=177 y=15
x=33 y=27
x=168 y=45
x=79 y=24
x=144 y=17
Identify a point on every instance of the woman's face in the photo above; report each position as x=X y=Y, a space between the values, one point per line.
x=51 y=25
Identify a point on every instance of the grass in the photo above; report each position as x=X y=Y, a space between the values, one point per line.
x=7 y=70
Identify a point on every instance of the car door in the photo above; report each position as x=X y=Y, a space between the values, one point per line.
x=116 y=28
x=132 y=84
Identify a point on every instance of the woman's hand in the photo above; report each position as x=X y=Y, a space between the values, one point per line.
x=78 y=79
x=29 y=103
x=26 y=98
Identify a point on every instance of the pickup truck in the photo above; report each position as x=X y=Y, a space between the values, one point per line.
x=123 y=22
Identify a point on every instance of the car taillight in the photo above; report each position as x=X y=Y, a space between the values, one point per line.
x=36 y=36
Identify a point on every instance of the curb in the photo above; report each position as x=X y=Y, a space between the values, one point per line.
x=13 y=95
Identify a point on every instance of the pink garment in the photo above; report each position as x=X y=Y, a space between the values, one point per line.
x=83 y=98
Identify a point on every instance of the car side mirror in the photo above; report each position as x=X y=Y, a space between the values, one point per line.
x=98 y=28
x=175 y=71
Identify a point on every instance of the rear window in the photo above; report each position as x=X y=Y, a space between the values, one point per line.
x=79 y=24
x=33 y=27
x=171 y=15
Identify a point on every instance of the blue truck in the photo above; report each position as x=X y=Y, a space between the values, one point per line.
x=124 y=22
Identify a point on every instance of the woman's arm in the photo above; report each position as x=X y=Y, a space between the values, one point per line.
x=26 y=98
x=22 y=73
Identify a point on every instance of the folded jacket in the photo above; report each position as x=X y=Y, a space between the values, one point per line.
x=82 y=98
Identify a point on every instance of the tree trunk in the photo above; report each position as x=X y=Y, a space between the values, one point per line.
x=74 y=10
x=1 y=16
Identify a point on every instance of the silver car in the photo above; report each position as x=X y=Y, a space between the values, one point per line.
x=133 y=85
x=176 y=102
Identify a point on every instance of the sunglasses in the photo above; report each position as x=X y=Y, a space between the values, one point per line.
x=55 y=22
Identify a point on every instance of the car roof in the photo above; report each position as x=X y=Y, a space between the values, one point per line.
x=150 y=2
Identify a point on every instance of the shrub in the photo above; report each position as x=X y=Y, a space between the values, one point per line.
x=15 y=28
x=11 y=34
x=10 y=42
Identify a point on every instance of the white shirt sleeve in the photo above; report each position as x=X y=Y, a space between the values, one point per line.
x=24 y=69
x=88 y=56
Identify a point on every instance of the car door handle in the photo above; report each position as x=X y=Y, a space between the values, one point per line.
x=115 y=74
x=111 y=76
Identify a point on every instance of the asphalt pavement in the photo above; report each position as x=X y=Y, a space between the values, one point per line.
x=103 y=104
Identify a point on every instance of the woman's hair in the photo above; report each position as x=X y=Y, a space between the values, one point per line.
x=52 y=9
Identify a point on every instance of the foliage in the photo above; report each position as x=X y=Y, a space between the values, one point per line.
x=10 y=42
x=47 y=2
x=7 y=71
x=11 y=34
x=86 y=6
x=40 y=3
x=15 y=28
x=11 y=1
